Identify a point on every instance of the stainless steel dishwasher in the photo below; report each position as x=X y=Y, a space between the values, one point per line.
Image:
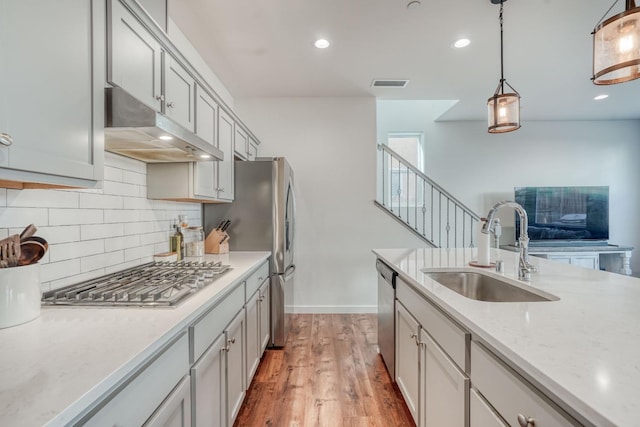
x=386 y=315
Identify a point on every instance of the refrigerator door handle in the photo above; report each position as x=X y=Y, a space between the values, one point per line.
x=288 y=272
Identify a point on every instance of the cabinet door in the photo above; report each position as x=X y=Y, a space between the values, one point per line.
x=236 y=355
x=208 y=386
x=587 y=261
x=206 y=178
x=565 y=259
x=175 y=411
x=444 y=388
x=225 y=167
x=47 y=86
x=241 y=143
x=134 y=57
x=179 y=93
x=252 y=149
x=252 y=333
x=481 y=414
x=265 y=315
x=407 y=358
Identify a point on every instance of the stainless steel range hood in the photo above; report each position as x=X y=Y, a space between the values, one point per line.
x=134 y=129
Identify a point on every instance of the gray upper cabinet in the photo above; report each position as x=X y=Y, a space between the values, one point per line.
x=134 y=56
x=226 y=132
x=179 y=93
x=51 y=83
x=241 y=143
x=206 y=180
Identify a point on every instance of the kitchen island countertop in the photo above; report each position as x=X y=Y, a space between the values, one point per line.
x=55 y=366
x=581 y=350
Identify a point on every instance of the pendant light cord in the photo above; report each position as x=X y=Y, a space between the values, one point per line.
x=501 y=49
x=606 y=13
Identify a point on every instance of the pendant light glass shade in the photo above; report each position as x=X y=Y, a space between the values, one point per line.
x=504 y=112
x=503 y=108
x=616 y=47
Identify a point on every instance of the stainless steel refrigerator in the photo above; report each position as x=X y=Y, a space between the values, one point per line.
x=262 y=219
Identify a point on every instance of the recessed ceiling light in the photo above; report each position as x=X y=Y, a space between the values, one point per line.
x=165 y=137
x=462 y=43
x=205 y=156
x=599 y=97
x=322 y=44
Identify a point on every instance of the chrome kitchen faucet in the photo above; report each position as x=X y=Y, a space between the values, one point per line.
x=524 y=266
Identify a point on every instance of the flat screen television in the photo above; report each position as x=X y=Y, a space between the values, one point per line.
x=565 y=215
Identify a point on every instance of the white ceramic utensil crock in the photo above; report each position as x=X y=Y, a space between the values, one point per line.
x=19 y=295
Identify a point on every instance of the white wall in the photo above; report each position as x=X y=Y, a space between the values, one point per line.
x=330 y=143
x=94 y=232
x=481 y=169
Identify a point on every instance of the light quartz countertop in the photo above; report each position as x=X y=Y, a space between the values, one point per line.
x=55 y=366
x=582 y=350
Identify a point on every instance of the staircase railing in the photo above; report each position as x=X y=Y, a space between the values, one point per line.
x=422 y=205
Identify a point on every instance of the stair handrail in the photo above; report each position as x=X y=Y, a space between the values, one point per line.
x=418 y=172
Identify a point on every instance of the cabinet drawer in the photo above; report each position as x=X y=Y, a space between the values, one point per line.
x=509 y=394
x=256 y=279
x=212 y=324
x=451 y=337
x=132 y=405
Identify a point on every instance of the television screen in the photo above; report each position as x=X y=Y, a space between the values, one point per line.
x=565 y=213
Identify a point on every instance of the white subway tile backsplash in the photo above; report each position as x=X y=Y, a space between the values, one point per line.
x=58 y=270
x=121 y=215
x=134 y=178
x=74 y=250
x=121 y=189
x=42 y=198
x=92 y=232
x=141 y=252
x=96 y=262
x=100 y=231
x=100 y=201
x=121 y=243
x=59 y=234
x=137 y=203
x=113 y=174
x=75 y=216
x=21 y=217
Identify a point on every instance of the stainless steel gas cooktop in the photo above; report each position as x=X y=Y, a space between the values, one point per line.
x=156 y=284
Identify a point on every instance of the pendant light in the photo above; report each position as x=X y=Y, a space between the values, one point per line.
x=616 y=46
x=503 y=108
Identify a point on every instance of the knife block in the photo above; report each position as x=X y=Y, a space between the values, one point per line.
x=212 y=243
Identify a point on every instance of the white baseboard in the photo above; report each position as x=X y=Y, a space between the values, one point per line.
x=332 y=309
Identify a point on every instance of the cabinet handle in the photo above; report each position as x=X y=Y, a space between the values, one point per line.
x=221 y=190
x=232 y=340
x=526 y=421
x=170 y=104
x=5 y=139
x=225 y=349
x=415 y=338
x=261 y=298
x=160 y=98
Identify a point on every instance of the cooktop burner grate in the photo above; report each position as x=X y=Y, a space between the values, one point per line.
x=156 y=284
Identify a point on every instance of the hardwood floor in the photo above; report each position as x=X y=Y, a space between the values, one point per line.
x=328 y=374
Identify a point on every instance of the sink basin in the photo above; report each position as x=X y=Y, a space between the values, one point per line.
x=481 y=287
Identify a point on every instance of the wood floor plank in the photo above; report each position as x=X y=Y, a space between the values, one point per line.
x=328 y=374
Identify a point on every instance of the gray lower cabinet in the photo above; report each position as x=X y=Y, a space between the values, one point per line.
x=147 y=391
x=236 y=386
x=254 y=353
x=175 y=411
x=408 y=359
x=51 y=84
x=208 y=380
x=428 y=345
x=264 y=310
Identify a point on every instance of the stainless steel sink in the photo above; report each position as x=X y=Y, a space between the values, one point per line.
x=481 y=287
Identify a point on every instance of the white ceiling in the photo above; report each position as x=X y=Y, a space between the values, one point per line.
x=264 y=48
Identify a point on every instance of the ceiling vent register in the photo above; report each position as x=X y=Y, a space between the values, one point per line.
x=390 y=83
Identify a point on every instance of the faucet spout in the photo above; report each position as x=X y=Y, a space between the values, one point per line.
x=524 y=267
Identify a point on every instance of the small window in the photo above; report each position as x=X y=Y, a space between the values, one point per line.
x=409 y=146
